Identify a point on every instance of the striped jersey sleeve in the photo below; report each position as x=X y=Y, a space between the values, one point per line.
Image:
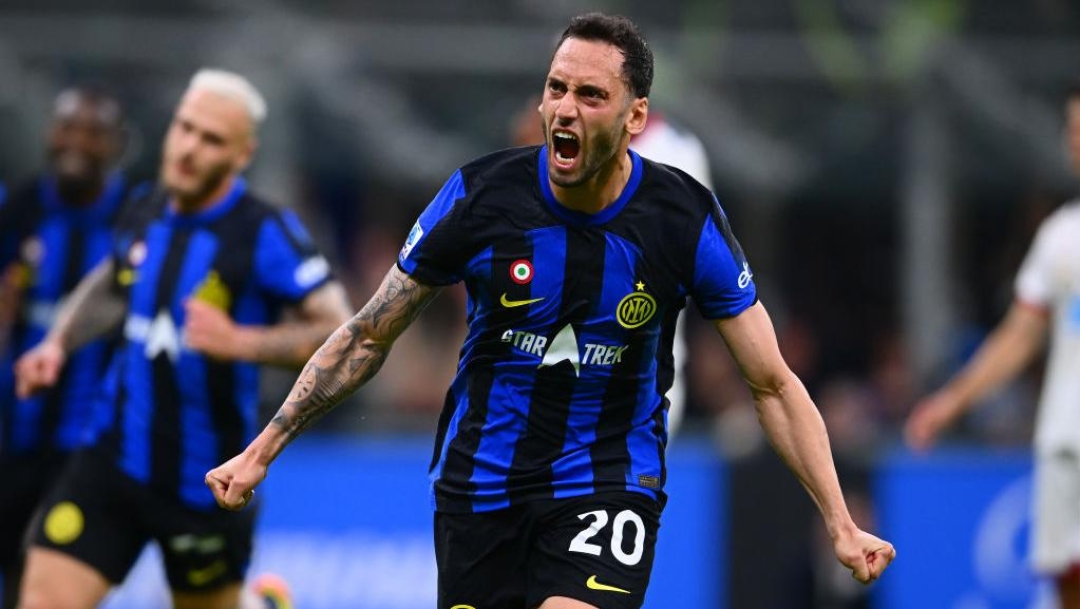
x=287 y=264
x=722 y=284
x=438 y=244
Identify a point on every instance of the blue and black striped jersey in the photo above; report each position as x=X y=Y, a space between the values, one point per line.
x=173 y=413
x=46 y=247
x=560 y=386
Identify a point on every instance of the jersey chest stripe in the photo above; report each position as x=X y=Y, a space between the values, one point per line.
x=137 y=400
x=165 y=414
x=144 y=293
x=236 y=395
x=459 y=466
x=536 y=261
x=198 y=438
x=549 y=411
x=234 y=386
x=503 y=423
x=611 y=454
x=134 y=411
x=575 y=468
x=646 y=452
x=463 y=451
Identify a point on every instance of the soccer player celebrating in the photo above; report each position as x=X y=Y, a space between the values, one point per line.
x=194 y=282
x=53 y=230
x=548 y=470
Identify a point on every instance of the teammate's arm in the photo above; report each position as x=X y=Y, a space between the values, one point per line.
x=288 y=343
x=1011 y=346
x=347 y=360
x=93 y=309
x=795 y=429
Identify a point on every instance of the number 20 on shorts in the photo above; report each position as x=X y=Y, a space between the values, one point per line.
x=599 y=519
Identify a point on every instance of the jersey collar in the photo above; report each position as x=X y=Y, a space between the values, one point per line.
x=214 y=211
x=581 y=218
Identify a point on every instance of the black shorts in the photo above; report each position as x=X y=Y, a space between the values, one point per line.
x=598 y=549
x=99 y=515
x=23 y=483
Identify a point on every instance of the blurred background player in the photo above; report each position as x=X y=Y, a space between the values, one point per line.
x=53 y=230
x=199 y=272
x=665 y=142
x=1046 y=303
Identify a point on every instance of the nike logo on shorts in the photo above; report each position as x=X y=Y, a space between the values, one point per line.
x=592 y=584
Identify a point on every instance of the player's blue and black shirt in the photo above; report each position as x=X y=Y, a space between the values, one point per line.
x=46 y=247
x=560 y=386
x=173 y=413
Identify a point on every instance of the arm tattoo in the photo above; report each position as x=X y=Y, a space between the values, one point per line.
x=354 y=352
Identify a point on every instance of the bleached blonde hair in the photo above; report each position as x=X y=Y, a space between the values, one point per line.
x=233 y=86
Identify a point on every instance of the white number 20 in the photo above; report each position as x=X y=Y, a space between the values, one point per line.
x=580 y=543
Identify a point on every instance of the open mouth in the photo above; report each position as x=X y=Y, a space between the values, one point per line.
x=566 y=147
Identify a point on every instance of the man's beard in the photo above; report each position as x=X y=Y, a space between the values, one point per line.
x=603 y=151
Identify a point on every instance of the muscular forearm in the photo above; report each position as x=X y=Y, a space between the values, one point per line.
x=797 y=433
x=92 y=310
x=339 y=367
x=347 y=360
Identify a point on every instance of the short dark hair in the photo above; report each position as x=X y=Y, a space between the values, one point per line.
x=620 y=32
x=1073 y=90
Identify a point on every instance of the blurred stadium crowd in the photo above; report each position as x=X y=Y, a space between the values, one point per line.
x=884 y=162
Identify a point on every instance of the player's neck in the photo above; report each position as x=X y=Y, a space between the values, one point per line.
x=601 y=190
x=194 y=205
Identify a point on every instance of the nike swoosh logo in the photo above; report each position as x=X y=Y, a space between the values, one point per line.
x=509 y=304
x=592 y=584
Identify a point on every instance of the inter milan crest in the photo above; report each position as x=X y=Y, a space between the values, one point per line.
x=636 y=308
x=521 y=271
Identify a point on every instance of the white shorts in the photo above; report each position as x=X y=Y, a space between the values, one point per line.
x=1055 y=527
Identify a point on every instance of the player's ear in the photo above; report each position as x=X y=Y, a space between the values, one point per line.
x=637 y=116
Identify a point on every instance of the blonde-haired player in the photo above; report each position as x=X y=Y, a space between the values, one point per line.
x=195 y=283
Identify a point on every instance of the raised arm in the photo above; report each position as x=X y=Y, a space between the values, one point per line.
x=93 y=309
x=797 y=433
x=289 y=342
x=347 y=360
